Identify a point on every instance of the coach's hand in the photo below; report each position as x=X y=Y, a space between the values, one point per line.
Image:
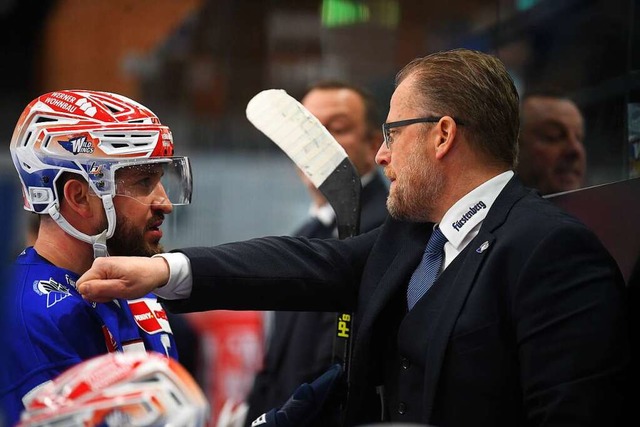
x=122 y=277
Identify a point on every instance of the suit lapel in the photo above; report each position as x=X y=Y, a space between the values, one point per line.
x=459 y=290
x=390 y=275
x=479 y=250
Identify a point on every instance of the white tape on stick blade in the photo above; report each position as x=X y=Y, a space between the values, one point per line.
x=297 y=132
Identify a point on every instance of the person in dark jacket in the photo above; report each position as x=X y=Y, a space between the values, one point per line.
x=526 y=320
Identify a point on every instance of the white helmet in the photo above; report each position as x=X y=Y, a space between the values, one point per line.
x=119 y=389
x=92 y=134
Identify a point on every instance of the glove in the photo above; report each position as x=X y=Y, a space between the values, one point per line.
x=305 y=403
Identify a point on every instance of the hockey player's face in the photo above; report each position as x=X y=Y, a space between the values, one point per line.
x=138 y=222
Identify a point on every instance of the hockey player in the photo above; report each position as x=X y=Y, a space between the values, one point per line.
x=99 y=169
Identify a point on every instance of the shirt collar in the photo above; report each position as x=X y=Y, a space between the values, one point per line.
x=367 y=177
x=325 y=213
x=471 y=209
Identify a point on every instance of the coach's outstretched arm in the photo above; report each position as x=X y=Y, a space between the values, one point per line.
x=122 y=277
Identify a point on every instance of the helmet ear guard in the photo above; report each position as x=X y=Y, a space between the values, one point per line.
x=92 y=134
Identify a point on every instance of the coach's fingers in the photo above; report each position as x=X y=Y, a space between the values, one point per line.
x=103 y=290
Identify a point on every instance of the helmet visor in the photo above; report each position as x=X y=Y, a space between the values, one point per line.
x=157 y=181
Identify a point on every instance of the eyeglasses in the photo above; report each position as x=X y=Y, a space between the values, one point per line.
x=386 y=127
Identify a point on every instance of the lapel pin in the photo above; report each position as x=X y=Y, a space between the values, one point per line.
x=483 y=247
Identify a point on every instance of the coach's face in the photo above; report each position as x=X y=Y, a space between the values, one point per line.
x=409 y=159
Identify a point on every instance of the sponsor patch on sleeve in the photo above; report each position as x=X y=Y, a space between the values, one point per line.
x=149 y=315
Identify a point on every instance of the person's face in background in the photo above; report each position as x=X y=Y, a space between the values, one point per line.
x=342 y=112
x=552 y=156
x=140 y=213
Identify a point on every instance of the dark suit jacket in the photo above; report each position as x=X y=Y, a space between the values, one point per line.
x=532 y=330
x=301 y=344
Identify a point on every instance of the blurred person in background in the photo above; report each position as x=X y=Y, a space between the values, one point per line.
x=98 y=168
x=300 y=344
x=552 y=157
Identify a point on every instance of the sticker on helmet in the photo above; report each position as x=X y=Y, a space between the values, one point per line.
x=78 y=145
x=68 y=102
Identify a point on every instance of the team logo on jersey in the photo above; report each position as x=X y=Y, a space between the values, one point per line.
x=149 y=315
x=70 y=281
x=78 y=145
x=54 y=291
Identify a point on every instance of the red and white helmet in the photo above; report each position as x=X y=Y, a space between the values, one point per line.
x=92 y=134
x=119 y=389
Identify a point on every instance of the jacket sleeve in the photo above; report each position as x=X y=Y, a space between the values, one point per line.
x=277 y=273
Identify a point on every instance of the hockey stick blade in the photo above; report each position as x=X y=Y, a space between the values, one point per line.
x=313 y=149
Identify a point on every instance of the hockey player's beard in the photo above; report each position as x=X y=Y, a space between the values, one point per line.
x=128 y=240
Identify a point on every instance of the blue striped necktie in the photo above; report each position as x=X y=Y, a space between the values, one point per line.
x=428 y=269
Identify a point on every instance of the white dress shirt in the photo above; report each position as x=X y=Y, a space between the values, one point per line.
x=325 y=213
x=461 y=223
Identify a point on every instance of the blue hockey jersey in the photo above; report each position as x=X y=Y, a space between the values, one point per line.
x=48 y=327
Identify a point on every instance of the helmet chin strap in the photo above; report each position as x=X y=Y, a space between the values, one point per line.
x=99 y=241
